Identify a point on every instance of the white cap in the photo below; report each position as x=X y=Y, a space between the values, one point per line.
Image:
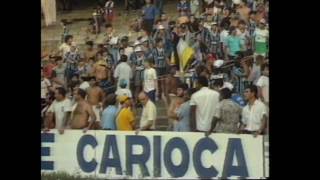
x=113 y=41
x=161 y=26
x=218 y=76
x=144 y=39
x=218 y=63
x=227 y=85
x=138 y=49
x=236 y=1
x=136 y=43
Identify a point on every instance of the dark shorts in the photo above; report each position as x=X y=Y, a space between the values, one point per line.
x=161 y=71
x=138 y=78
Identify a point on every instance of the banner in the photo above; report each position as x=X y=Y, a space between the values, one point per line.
x=152 y=154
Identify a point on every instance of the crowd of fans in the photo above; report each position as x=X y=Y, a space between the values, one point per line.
x=224 y=88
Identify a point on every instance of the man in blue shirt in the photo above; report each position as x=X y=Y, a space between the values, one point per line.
x=149 y=15
x=109 y=114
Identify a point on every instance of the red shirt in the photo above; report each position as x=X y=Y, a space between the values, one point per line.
x=47 y=70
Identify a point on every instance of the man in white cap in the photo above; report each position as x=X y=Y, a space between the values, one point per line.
x=261 y=35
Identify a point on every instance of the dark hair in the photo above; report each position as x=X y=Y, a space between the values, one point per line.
x=253 y=89
x=92 y=78
x=252 y=12
x=82 y=93
x=232 y=28
x=158 y=40
x=111 y=99
x=67 y=37
x=225 y=93
x=108 y=25
x=123 y=58
x=58 y=58
x=203 y=81
x=89 y=43
x=218 y=82
x=61 y=91
x=191 y=91
x=171 y=23
x=100 y=45
x=242 y=22
x=183 y=86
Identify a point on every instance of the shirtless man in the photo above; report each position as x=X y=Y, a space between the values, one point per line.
x=175 y=104
x=81 y=112
x=171 y=85
x=94 y=98
x=100 y=70
x=89 y=52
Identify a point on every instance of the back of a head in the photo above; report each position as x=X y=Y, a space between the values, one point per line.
x=82 y=93
x=61 y=91
x=89 y=43
x=183 y=86
x=108 y=25
x=225 y=93
x=203 y=81
x=124 y=58
x=111 y=99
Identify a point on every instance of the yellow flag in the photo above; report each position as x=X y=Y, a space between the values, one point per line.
x=185 y=52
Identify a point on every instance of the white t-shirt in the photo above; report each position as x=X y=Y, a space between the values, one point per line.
x=223 y=36
x=64 y=48
x=261 y=35
x=149 y=112
x=150 y=76
x=263 y=82
x=123 y=71
x=45 y=83
x=59 y=109
x=252 y=117
x=128 y=51
x=84 y=85
x=206 y=102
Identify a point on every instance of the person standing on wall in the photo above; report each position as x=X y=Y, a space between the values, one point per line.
x=150 y=82
x=81 y=112
x=254 y=114
x=149 y=114
x=60 y=109
x=203 y=106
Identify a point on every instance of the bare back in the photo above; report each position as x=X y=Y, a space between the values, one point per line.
x=95 y=95
x=172 y=84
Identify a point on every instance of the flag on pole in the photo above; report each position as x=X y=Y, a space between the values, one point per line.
x=185 y=52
